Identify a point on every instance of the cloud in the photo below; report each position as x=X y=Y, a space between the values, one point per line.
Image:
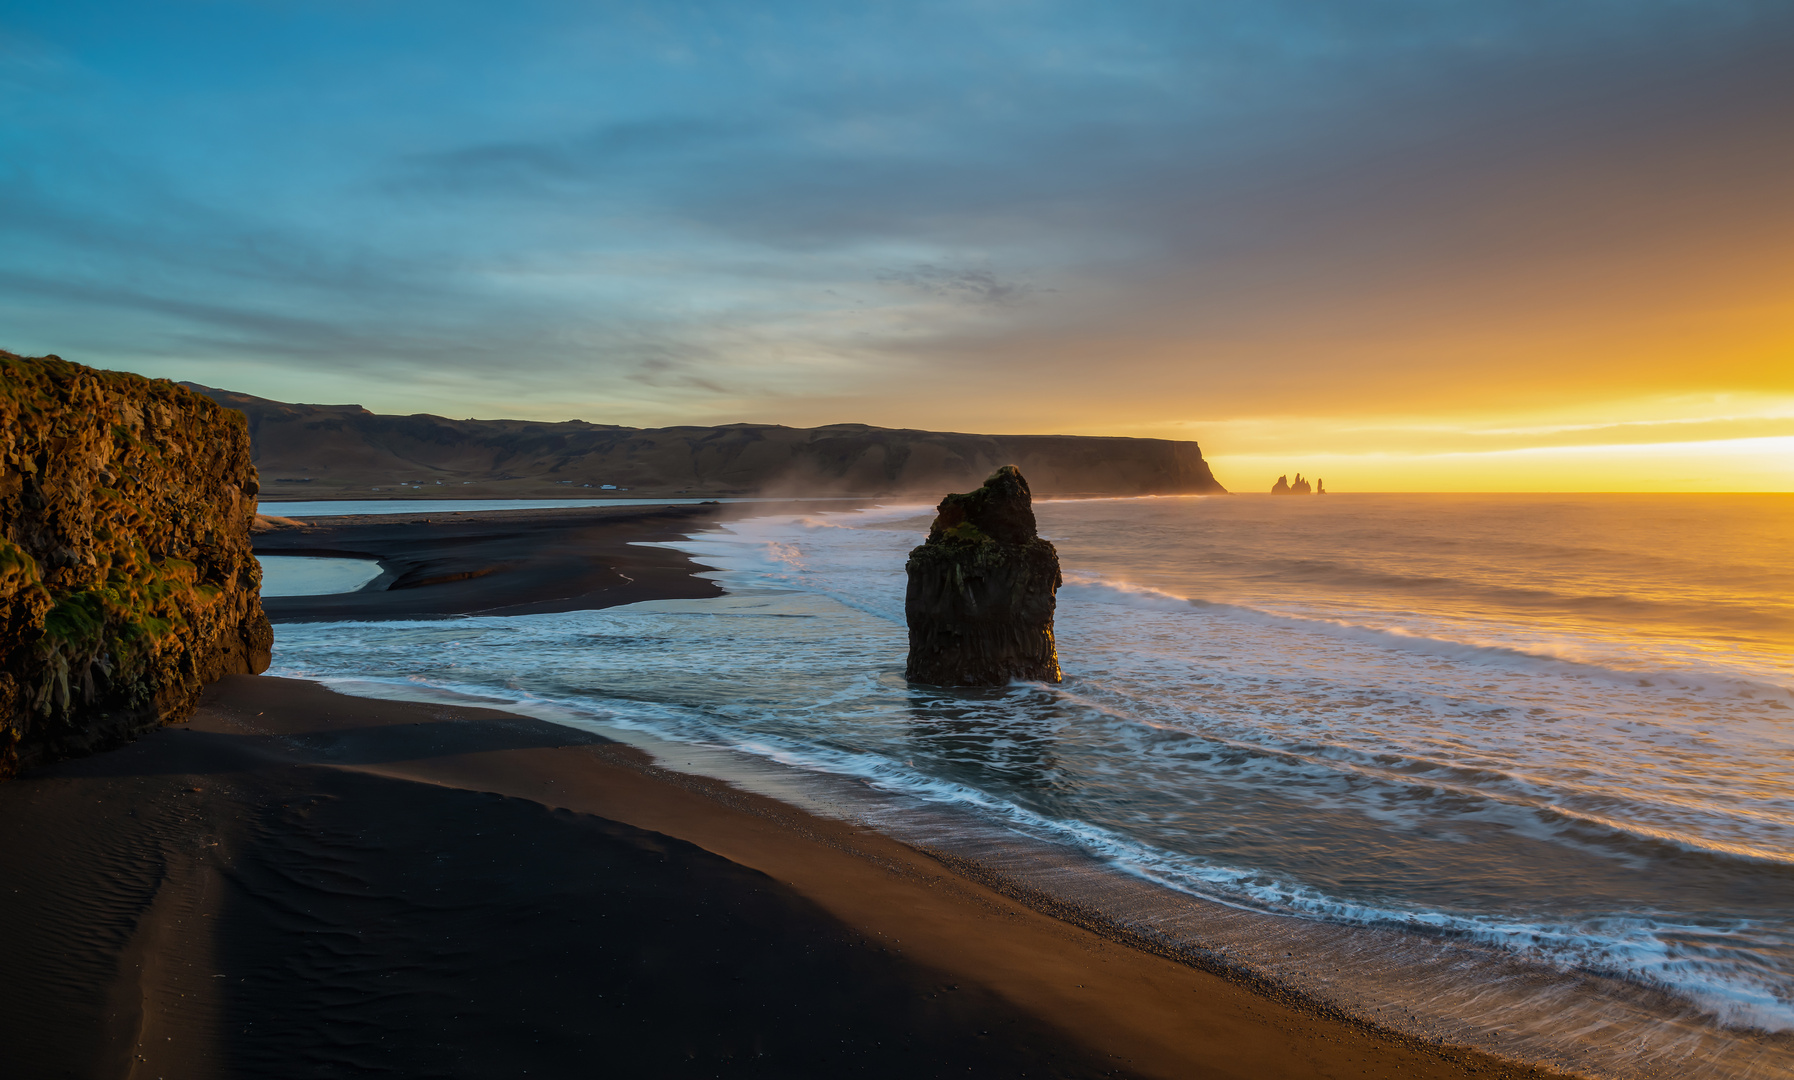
x=976 y=287
x=571 y=166
x=786 y=212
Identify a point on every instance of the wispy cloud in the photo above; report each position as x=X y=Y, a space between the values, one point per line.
x=975 y=286
x=1112 y=212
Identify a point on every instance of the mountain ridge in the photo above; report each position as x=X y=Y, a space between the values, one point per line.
x=307 y=451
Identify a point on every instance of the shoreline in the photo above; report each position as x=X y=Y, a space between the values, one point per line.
x=495 y=562
x=1132 y=1005
x=247 y=793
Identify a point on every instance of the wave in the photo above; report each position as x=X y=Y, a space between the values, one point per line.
x=861 y=576
x=1745 y=614
x=1546 y=801
x=838 y=556
x=1537 y=659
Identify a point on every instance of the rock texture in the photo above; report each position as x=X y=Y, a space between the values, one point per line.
x=125 y=567
x=982 y=591
x=1284 y=487
x=345 y=451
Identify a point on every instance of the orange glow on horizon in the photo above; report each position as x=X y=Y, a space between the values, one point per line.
x=1715 y=443
x=1721 y=465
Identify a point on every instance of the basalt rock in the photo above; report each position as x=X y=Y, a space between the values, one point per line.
x=981 y=591
x=1284 y=487
x=126 y=577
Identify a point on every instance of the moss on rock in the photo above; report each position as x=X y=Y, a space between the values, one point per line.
x=125 y=565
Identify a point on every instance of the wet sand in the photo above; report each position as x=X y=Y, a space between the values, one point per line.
x=302 y=884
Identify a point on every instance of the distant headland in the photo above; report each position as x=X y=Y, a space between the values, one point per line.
x=345 y=451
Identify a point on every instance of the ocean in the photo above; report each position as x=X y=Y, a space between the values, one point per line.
x=1515 y=771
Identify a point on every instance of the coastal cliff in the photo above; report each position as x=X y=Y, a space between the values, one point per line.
x=125 y=567
x=982 y=591
x=345 y=451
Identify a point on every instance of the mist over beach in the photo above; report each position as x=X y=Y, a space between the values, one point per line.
x=1026 y=539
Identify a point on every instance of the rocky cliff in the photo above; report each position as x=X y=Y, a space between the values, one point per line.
x=125 y=567
x=338 y=451
x=982 y=590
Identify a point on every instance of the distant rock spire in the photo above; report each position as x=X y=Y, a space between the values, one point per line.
x=1283 y=486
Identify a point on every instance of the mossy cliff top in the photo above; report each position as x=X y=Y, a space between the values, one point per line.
x=1002 y=510
x=125 y=567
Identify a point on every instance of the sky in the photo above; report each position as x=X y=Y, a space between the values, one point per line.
x=1396 y=244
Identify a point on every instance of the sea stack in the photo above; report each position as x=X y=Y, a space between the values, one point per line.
x=982 y=591
x=125 y=570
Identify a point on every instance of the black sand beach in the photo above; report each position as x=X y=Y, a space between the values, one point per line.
x=297 y=883
x=260 y=893
x=301 y=884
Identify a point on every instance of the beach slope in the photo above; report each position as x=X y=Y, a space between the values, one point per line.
x=298 y=883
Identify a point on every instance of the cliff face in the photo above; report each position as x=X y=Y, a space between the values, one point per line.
x=337 y=451
x=982 y=590
x=125 y=570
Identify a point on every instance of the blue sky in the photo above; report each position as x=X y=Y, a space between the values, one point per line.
x=1151 y=218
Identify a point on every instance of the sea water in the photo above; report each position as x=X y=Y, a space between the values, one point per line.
x=1516 y=771
x=310 y=575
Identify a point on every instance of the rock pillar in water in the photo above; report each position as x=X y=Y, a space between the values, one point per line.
x=981 y=591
